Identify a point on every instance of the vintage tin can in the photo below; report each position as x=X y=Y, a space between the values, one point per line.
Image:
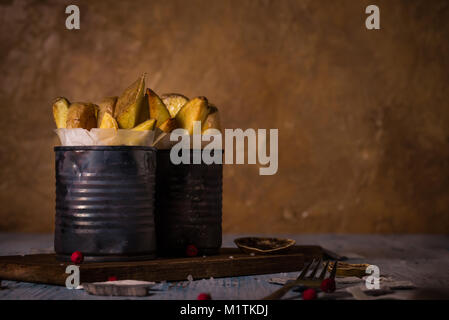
x=105 y=202
x=188 y=206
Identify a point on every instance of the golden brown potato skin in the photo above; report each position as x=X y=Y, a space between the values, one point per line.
x=212 y=120
x=146 y=125
x=130 y=107
x=157 y=108
x=108 y=122
x=82 y=115
x=169 y=125
x=106 y=105
x=196 y=109
x=129 y=96
x=60 y=110
x=174 y=102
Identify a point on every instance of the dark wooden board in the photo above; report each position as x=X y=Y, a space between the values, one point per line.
x=44 y=268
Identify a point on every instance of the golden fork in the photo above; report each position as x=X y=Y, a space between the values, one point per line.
x=304 y=280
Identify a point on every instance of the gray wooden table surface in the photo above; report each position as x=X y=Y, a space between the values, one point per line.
x=422 y=259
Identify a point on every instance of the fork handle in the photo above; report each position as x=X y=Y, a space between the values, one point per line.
x=279 y=293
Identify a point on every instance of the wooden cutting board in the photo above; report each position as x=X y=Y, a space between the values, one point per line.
x=231 y=262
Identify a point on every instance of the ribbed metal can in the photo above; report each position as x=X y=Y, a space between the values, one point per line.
x=105 y=202
x=188 y=206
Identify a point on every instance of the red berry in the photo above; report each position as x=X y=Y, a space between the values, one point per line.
x=112 y=278
x=77 y=257
x=204 y=296
x=328 y=285
x=309 y=294
x=191 y=251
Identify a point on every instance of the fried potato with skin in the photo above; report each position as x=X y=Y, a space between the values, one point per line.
x=82 y=115
x=107 y=105
x=146 y=125
x=212 y=120
x=157 y=108
x=60 y=111
x=108 y=122
x=129 y=109
x=174 y=102
x=169 y=125
x=196 y=109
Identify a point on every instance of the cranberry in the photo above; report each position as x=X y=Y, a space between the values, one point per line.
x=204 y=296
x=191 y=251
x=309 y=294
x=77 y=257
x=328 y=285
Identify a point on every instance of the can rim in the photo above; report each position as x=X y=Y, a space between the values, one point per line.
x=104 y=148
x=191 y=150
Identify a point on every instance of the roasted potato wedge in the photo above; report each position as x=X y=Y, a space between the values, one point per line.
x=108 y=122
x=169 y=125
x=60 y=111
x=129 y=110
x=157 y=108
x=196 y=109
x=146 y=125
x=81 y=115
x=107 y=105
x=174 y=102
x=212 y=120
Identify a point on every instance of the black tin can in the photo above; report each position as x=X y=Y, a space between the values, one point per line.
x=105 y=202
x=188 y=206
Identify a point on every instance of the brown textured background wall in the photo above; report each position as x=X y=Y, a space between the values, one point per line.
x=363 y=116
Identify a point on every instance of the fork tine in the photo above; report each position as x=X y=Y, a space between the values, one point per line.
x=334 y=270
x=323 y=272
x=304 y=271
x=312 y=275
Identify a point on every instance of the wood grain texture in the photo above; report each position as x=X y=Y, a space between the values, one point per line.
x=362 y=115
x=45 y=268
